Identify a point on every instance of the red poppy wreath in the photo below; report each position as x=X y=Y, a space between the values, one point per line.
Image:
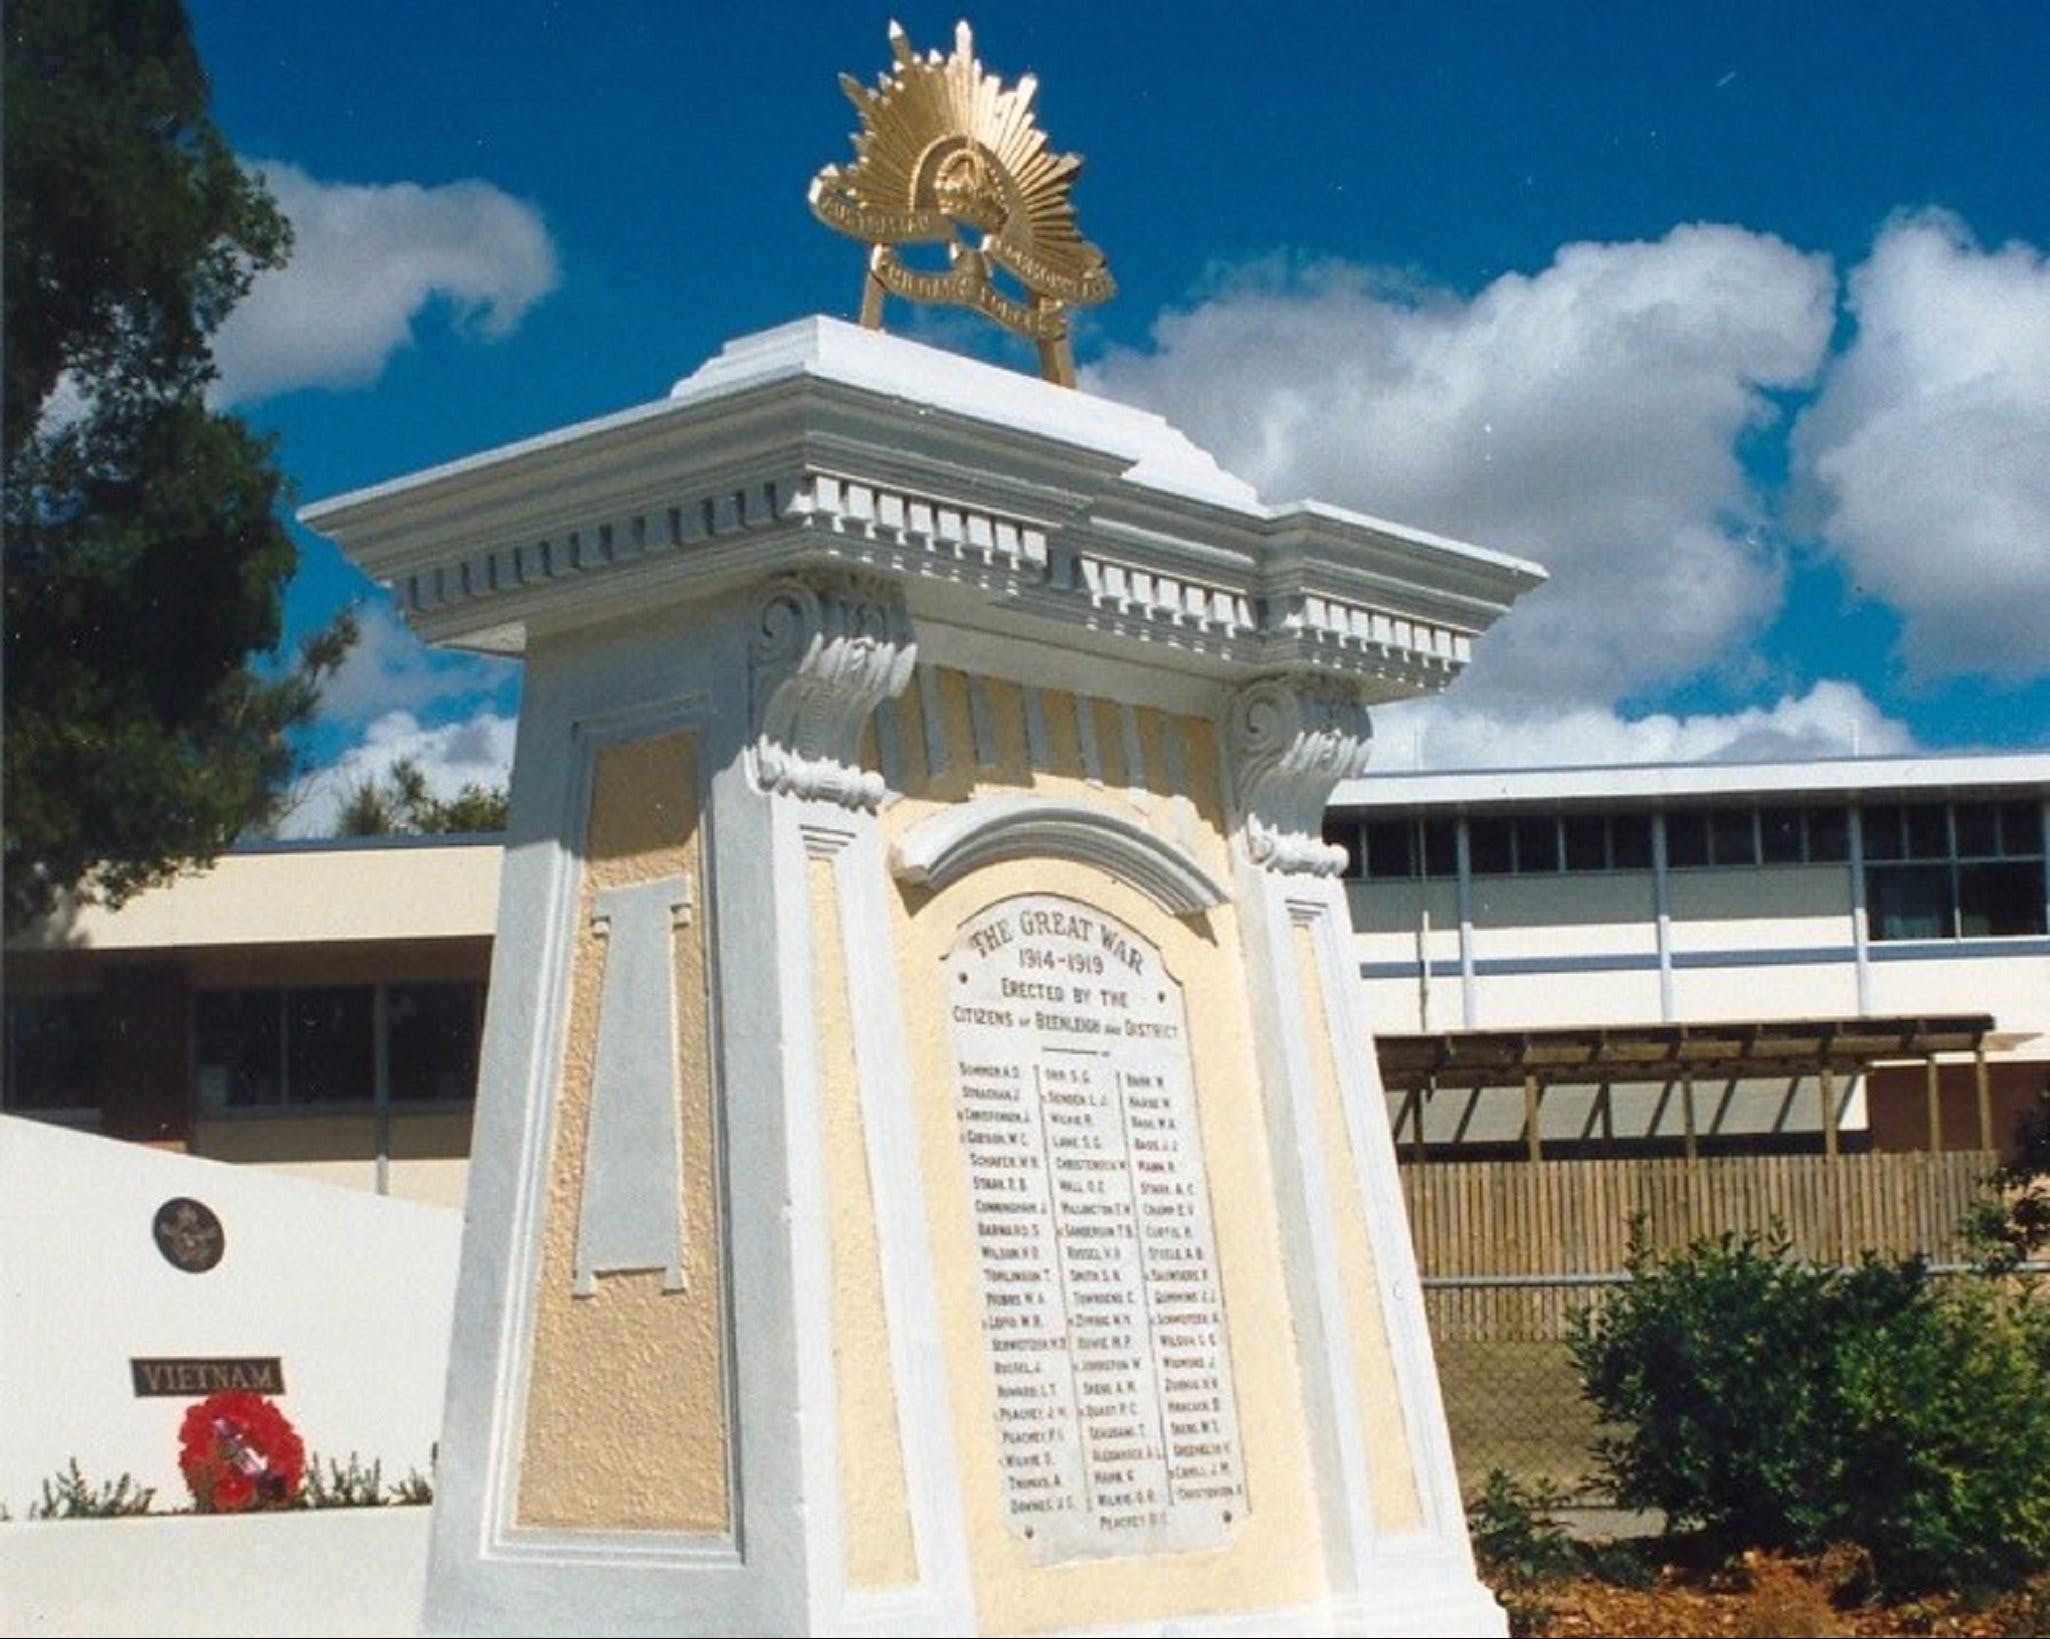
x=238 y=1452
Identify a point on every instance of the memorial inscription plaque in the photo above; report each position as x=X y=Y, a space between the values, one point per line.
x=1116 y=1423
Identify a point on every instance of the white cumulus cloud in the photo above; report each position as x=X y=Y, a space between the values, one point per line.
x=1588 y=416
x=475 y=751
x=366 y=262
x=1833 y=719
x=390 y=669
x=1927 y=454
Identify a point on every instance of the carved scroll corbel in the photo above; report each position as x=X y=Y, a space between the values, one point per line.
x=1290 y=739
x=826 y=651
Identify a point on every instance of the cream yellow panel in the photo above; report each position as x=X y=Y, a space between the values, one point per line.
x=626 y=1404
x=1270 y=1557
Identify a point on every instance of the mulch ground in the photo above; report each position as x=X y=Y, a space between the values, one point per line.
x=1765 y=1594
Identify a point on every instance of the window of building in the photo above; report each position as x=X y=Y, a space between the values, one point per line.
x=1733 y=836
x=292 y=1047
x=1687 y=844
x=1491 y=847
x=1954 y=870
x=2021 y=829
x=1537 y=844
x=1828 y=834
x=238 y=1048
x=431 y=1034
x=49 y=1052
x=1587 y=842
x=1909 y=902
x=1630 y=842
x=330 y=1051
x=1780 y=836
x=1441 y=849
x=1391 y=848
x=1345 y=833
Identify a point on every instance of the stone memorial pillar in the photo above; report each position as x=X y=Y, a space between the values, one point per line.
x=930 y=1170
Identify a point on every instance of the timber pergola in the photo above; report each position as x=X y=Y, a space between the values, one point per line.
x=1606 y=1055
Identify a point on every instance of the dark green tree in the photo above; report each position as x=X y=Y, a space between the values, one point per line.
x=400 y=803
x=147 y=719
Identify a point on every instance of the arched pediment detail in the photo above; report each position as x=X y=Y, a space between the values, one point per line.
x=946 y=847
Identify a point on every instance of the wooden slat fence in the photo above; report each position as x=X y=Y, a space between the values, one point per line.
x=1573 y=1218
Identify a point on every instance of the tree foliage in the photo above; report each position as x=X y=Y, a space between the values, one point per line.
x=2013 y=1225
x=401 y=803
x=145 y=725
x=1770 y=1402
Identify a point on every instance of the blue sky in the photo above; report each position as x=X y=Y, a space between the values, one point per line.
x=1737 y=316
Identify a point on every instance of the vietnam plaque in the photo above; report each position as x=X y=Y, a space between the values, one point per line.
x=1116 y=1423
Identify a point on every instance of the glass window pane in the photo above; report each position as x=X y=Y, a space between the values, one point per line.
x=1441 y=848
x=1928 y=830
x=1908 y=902
x=1587 y=842
x=1829 y=835
x=1779 y=835
x=1997 y=901
x=50 y=1056
x=1344 y=833
x=1978 y=830
x=328 y=1056
x=431 y=1041
x=2021 y=828
x=1882 y=823
x=1537 y=844
x=1734 y=836
x=1391 y=848
x=1488 y=847
x=1686 y=838
x=238 y=1049
x=1630 y=841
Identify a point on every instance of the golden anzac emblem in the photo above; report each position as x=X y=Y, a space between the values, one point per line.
x=946 y=156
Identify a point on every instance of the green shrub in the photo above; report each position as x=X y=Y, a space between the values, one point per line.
x=1518 y=1543
x=70 y=1495
x=332 y=1484
x=1519 y=1548
x=1768 y=1402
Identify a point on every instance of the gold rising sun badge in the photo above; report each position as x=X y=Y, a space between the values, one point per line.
x=947 y=156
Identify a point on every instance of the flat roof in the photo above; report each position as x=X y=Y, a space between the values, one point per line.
x=1653 y=784
x=1665 y=1052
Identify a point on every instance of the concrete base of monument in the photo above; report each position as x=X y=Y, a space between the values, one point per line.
x=1449 y=1610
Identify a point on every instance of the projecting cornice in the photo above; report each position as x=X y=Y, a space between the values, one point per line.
x=824 y=445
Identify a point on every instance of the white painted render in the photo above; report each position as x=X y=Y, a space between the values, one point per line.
x=350 y=1292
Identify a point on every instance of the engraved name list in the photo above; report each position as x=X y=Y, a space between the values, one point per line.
x=1116 y=1423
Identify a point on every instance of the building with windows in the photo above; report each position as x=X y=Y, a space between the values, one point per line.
x=314 y=1007
x=1705 y=958
x=1681 y=959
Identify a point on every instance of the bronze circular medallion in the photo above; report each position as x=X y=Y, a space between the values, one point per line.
x=189 y=1235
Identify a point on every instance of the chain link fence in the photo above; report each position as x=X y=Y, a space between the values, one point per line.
x=1512 y=1392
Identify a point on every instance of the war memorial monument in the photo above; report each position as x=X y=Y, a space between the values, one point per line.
x=930 y=1170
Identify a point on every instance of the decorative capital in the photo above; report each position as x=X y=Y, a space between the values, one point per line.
x=827 y=649
x=1290 y=739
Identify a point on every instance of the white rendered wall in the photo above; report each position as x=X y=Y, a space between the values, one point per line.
x=334 y=1571
x=1961 y=976
x=351 y=1292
